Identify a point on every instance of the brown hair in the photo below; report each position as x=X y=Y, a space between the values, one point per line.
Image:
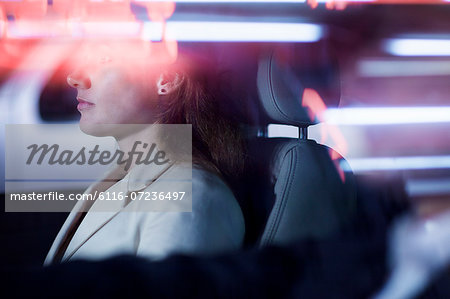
x=217 y=144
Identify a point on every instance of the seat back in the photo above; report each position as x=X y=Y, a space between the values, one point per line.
x=299 y=188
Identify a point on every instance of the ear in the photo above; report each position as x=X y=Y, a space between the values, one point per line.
x=169 y=82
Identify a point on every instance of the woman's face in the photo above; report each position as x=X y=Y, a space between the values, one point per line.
x=114 y=86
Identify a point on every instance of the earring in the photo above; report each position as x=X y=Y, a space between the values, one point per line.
x=162 y=91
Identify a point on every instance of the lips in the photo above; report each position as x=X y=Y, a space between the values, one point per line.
x=84 y=105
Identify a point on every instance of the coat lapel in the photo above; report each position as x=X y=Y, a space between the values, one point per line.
x=82 y=206
x=71 y=220
x=103 y=211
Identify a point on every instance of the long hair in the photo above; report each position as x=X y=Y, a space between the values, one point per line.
x=217 y=144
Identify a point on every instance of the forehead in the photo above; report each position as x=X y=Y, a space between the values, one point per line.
x=99 y=49
x=127 y=52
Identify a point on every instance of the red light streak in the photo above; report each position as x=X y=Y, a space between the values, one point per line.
x=312 y=100
x=82 y=19
x=160 y=12
x=26 y=9
x=3 y=23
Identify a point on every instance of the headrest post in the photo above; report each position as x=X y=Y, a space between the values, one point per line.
x=262 y=132
x=303 y=133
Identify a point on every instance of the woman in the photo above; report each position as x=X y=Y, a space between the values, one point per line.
x=115 y=87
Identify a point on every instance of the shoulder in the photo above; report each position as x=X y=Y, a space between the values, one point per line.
x=212 y=197
x=214 y=224
x=205 y=183
x=211 y=191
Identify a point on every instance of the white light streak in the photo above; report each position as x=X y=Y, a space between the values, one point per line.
x=243 y=31
x=387 y=116
x=181 y=31
x=418 y=47
x=422 y=187
x=402 y=68
x=275 y=130
x=397 y=163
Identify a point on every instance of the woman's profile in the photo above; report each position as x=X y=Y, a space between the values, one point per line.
x=119 y=87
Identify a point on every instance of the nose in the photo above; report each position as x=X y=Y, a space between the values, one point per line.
x=78 y=79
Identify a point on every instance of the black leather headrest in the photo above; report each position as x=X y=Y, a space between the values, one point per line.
x=283 y=74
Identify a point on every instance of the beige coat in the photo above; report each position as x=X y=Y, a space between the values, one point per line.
x=215 y=224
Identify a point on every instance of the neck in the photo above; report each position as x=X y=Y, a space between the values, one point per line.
x=137 y=138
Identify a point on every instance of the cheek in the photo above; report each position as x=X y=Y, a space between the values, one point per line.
x=129 y=102
x=124 y=97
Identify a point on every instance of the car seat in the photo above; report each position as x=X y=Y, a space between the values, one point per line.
x=296 y=187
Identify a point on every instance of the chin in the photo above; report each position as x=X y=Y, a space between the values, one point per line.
x=96 y=129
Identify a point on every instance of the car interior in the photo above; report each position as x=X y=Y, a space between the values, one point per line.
x=317 y=167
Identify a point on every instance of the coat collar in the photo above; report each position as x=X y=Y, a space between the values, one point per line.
x=143 y=175
x=102 y=212
x=76 y=214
